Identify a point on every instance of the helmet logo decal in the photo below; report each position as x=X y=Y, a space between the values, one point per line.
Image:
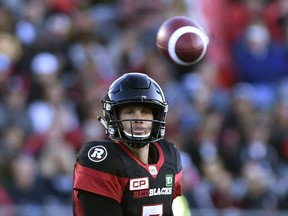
x=97 y=153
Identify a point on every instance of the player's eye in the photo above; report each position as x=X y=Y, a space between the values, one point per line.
x=147 y=111
x=128 y=111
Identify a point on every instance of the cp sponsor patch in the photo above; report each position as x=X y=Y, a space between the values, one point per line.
x=139 y=184
x=97 y=153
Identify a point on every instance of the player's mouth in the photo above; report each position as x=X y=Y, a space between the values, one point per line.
x=138 y=132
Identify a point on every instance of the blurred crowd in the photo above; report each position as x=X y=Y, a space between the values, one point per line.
x=228 y=114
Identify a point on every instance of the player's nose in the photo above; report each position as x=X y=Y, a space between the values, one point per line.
x=138 y=115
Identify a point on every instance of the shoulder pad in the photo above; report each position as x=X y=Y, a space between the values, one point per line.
x=101 y=155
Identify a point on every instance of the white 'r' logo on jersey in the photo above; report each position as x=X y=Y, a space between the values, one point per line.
x=97 y=153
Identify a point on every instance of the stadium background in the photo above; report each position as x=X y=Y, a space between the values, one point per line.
x=228 y=114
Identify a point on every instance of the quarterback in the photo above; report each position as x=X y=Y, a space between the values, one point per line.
x=136 y=171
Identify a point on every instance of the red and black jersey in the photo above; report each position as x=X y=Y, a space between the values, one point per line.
x=109 y=169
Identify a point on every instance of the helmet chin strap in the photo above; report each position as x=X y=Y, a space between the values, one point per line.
x=137 y=145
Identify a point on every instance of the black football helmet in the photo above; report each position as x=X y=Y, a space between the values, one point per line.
x=134 y=88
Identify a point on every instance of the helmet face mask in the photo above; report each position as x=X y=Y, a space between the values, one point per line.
x=129 y=89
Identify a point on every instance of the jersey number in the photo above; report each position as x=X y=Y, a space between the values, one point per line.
x=152 y=210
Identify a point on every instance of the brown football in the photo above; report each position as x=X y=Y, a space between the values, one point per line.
x=182 y=41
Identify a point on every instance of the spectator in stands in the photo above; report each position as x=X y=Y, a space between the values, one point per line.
x=53 y=112
x=257 y=146
x=261 y=62
x=259 y=194
x=26 y=188
x=55 y=168
x=258 y=59
x=15 y=103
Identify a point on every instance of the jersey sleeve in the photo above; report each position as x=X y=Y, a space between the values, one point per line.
x=95 y=172
x=105 y=205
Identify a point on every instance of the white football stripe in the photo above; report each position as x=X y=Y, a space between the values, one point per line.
x=177 y=34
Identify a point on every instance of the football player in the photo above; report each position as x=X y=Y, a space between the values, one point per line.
x=136 y=171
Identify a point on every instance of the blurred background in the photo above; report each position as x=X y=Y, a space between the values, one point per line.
x=228 y=113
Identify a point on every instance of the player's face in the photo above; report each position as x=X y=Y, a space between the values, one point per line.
x=141 y=123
